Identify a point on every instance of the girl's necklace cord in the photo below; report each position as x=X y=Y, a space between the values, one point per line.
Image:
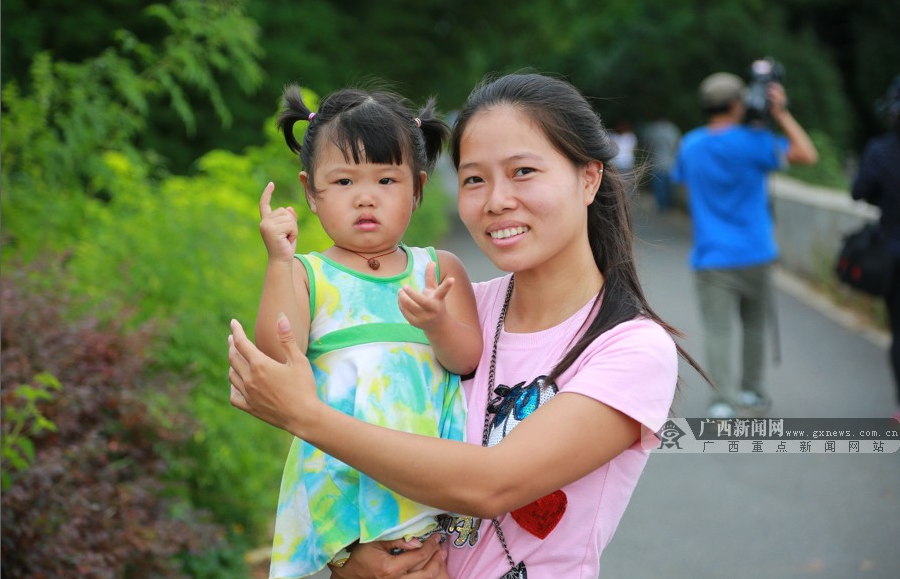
x=373 y=260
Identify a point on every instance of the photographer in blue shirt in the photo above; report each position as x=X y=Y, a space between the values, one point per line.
x=724 y=166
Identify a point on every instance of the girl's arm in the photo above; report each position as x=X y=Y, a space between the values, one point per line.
x=562 y=441
x=285 y=290
x=446 y=312
x=286 y=286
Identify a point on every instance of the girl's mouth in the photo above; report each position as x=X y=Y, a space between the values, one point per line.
x=366 y=223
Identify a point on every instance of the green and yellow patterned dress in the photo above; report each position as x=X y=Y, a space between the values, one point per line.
x=370 y=363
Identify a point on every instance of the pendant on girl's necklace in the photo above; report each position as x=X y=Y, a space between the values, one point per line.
x=373 y=261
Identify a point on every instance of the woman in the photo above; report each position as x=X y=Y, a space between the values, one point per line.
x=571 y=345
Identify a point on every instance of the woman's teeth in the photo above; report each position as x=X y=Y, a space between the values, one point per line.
x=509 y=232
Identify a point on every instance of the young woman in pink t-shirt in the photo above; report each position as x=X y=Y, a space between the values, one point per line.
x=571 y=345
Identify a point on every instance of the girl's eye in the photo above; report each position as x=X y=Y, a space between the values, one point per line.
x=386 y=181
x=344 y=182
x=522 y=171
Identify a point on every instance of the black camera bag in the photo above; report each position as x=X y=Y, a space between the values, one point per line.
x=864 y=262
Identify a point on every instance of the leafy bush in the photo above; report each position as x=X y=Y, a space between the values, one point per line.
x=141 y=246
x=23 y=420
x=56 y=131
x=829 y=170
x=98 y=500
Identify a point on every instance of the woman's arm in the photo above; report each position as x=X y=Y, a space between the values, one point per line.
x=447 y=313
x=562 y=441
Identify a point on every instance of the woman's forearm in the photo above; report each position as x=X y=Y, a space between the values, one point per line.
x=468 y=478
x=459 y=477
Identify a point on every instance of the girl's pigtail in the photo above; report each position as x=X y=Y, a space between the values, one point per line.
x=435 y=131
x=294 y=110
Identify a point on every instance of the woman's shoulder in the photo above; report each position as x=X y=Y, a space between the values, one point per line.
x=489 y=297
x=490 y=289
x=641 y=335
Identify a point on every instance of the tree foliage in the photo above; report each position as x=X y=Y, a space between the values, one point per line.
x=140 y=245
x=54 y=133
x=137 y=246
x=634 y=56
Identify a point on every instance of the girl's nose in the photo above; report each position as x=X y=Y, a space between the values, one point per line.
x=364 y=198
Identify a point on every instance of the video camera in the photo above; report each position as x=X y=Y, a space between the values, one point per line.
x=756 y=103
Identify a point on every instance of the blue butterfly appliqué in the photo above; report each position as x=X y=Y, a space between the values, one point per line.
x=514 y=404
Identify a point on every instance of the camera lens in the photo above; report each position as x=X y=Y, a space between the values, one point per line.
x=761 y=67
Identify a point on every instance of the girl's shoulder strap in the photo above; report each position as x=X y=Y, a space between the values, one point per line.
x=305 y=259
x=421 y=256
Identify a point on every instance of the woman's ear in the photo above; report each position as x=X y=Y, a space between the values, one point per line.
x=592 y=176
x=310 y=195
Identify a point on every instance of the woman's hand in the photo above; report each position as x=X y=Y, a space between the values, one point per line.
x=375 y=561
x=284 y=395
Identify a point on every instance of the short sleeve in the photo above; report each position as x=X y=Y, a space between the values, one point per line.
x=632 y=368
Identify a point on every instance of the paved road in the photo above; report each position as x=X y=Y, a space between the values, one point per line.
x=762 y=516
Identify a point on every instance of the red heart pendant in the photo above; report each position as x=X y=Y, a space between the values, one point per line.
x=541 y=517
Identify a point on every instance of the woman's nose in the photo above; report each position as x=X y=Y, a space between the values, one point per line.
x=500 y=197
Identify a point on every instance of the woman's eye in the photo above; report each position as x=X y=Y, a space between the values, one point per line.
x=472 y=180
x=344 y=182
x=521 y=171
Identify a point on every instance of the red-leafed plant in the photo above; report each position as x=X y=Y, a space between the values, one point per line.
x=88 y=430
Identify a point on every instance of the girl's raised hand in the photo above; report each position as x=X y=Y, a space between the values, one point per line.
x=278 y=228
x=427 y=308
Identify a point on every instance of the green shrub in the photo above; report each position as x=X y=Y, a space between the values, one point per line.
x=829 y=170
x=139 y=246
x=23 y=421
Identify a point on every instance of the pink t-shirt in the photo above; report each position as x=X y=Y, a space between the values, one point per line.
x=632 y=368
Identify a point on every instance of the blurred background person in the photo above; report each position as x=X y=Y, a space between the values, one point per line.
x=878 y=182
x=660 y=139
x=724 y=166
x=627 y=141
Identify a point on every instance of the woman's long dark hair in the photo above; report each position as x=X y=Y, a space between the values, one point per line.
x=375 y=126
x=575 y=130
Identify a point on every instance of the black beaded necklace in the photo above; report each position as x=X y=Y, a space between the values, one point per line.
x=516 y=571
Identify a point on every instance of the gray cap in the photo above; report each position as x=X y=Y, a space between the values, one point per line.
x=719 y=89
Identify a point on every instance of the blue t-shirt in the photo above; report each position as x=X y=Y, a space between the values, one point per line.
x=725 y=171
